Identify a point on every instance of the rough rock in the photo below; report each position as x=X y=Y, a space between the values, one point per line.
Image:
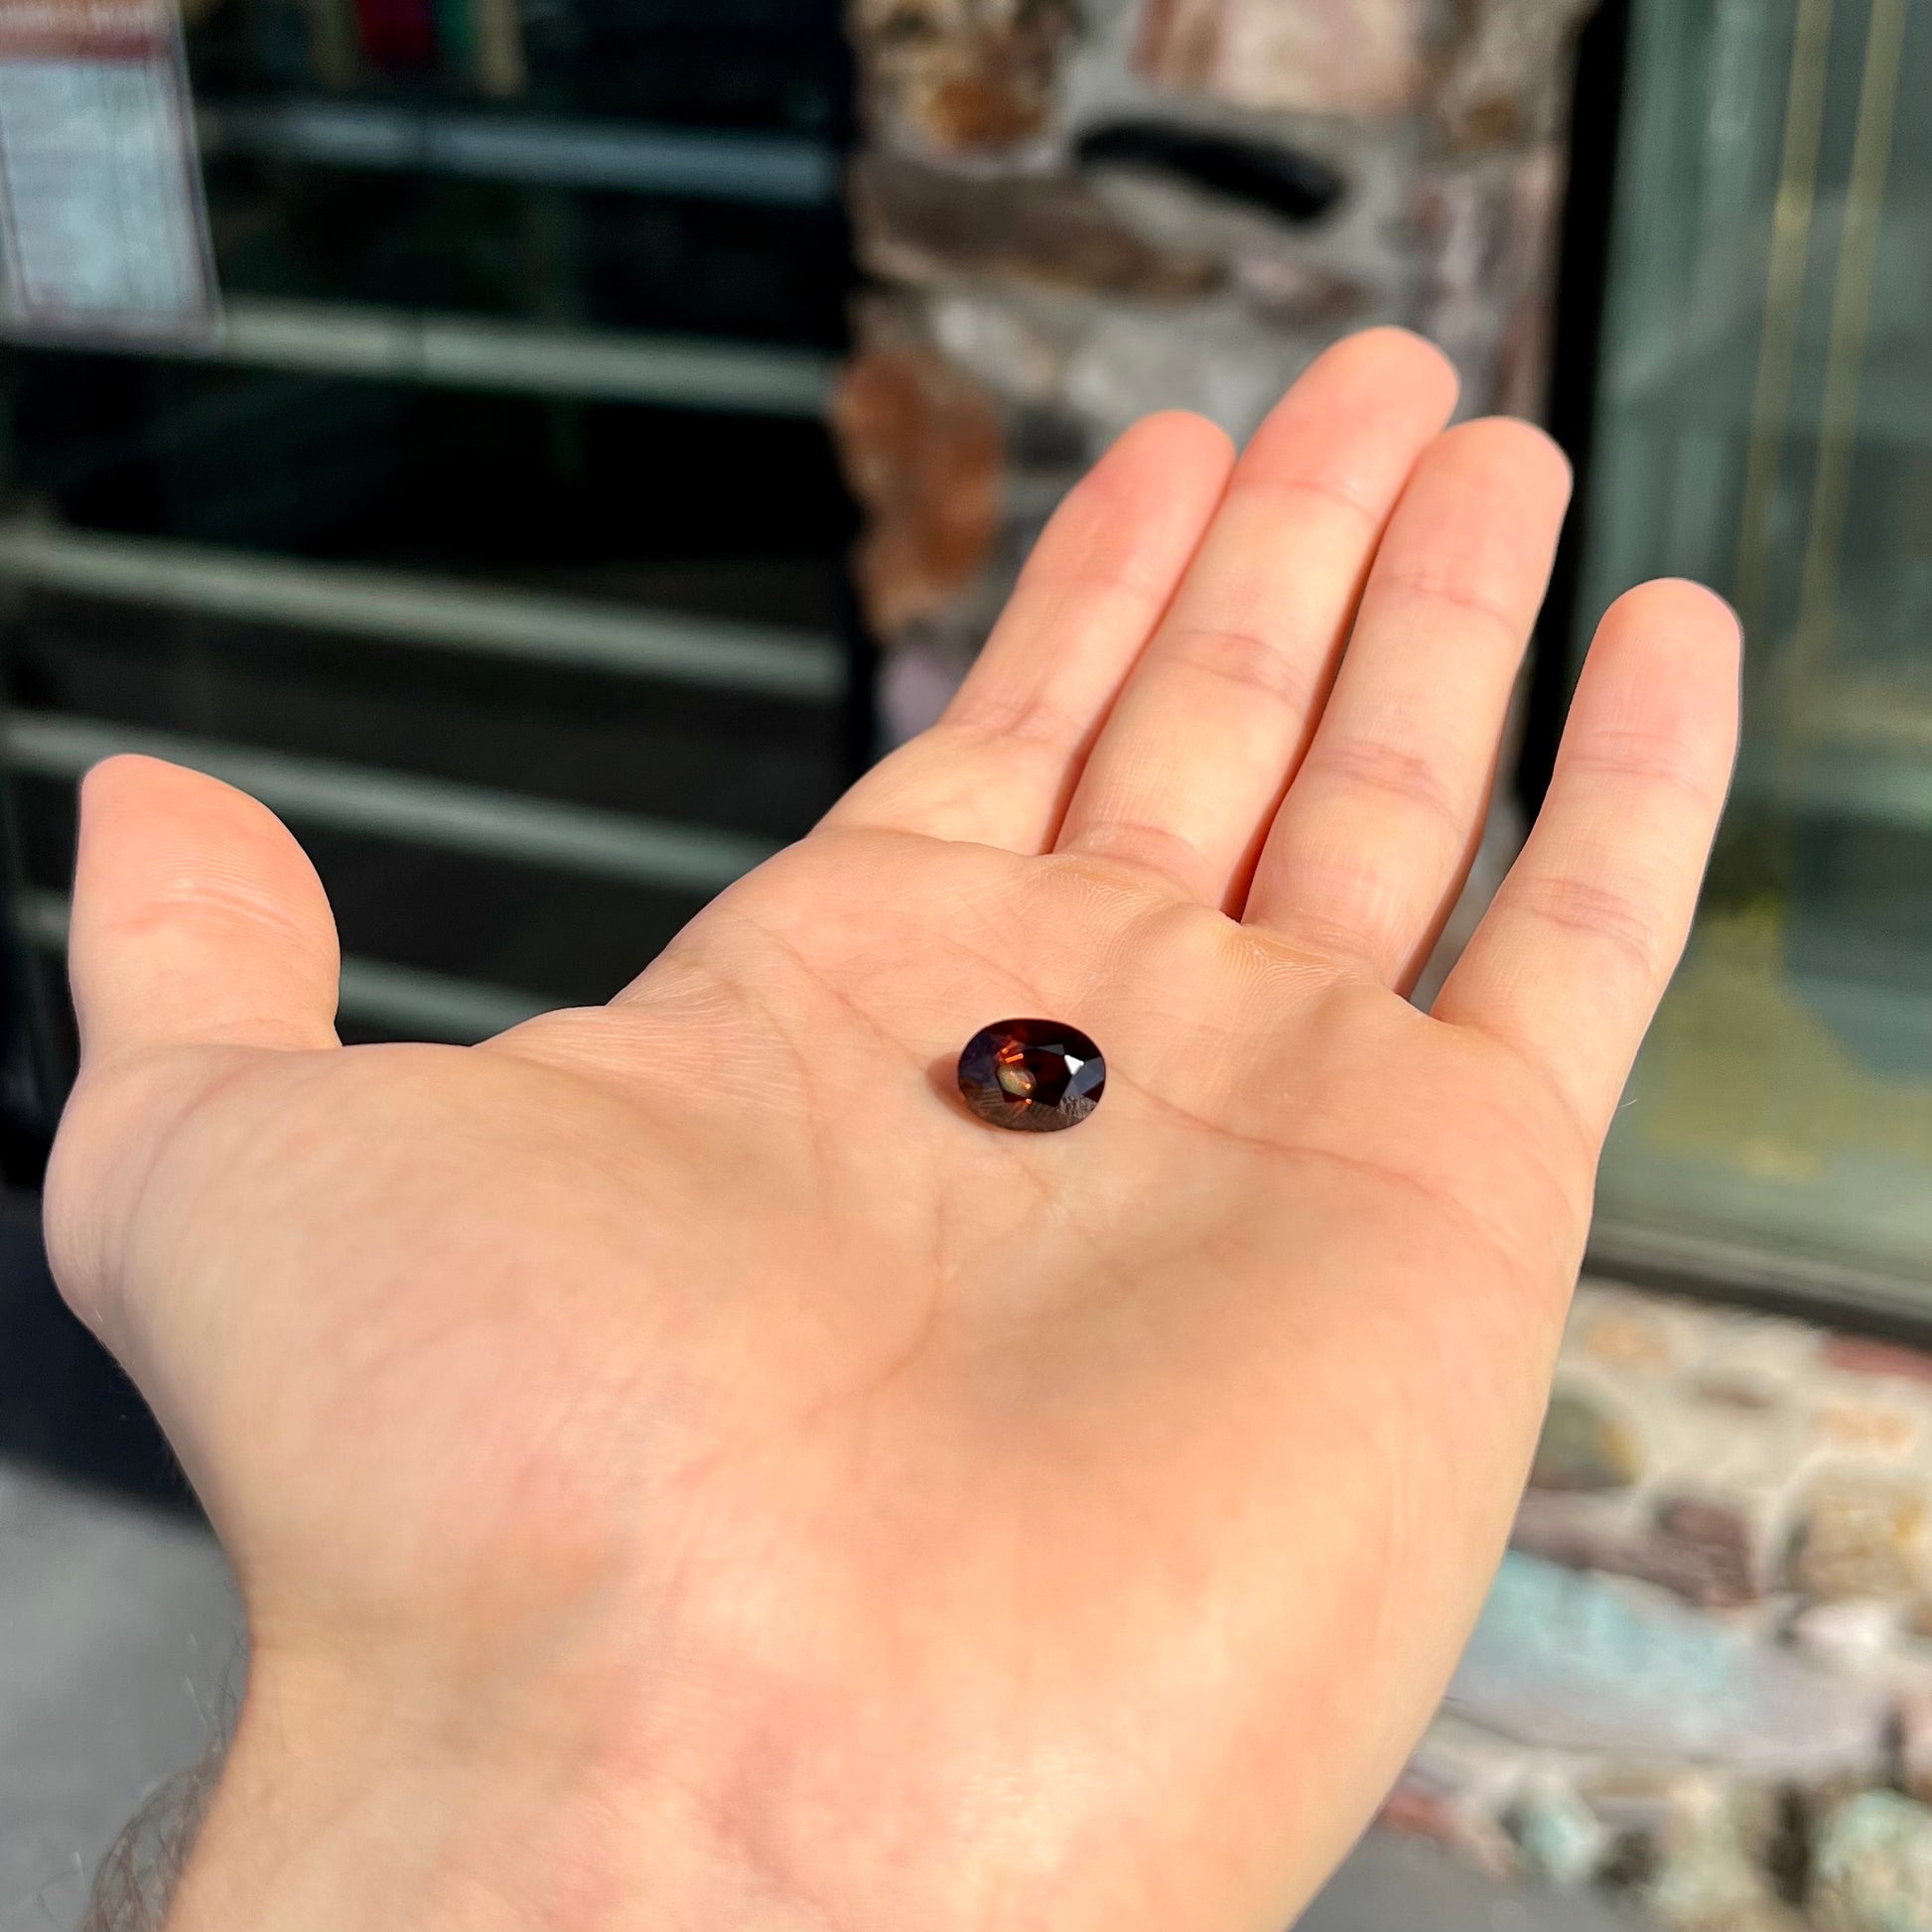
x=1313 y=56
x=1458 y=1788
x=1727 y=1388
x=1718 y=1544
x=1857 y=1636
x=1504 y=76
x=1584 y=1448
x=1193 y=243
x=1624 y=1335
x=1417 y=1812
x=1017 y=353
x=1872 y=1867
x=1127 y=363
x=1868 y=1423
x=1574 y=1662
x=921 y=446
x=1557 y=1838
x=1861 y=1534
x=1777 y=1481
x=1914 y=1718
x=1769 y=1356
x=1710 y=1883
x=923 y=225
x=961 y=77
x=1303 y=294
x=1707 y=1552
x=1652 y=1801
x=1484 y=231
x=1878 y=1360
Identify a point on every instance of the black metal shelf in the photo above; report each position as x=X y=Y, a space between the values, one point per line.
x=785 y=169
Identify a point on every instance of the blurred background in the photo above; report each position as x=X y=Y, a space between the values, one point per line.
x=546 y=447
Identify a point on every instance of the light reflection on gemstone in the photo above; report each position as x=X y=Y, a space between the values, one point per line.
x=1034 y=1076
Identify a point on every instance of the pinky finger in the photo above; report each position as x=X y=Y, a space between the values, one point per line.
x=1569 y=962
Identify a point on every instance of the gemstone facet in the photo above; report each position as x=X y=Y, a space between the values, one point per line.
x=1034 y=1076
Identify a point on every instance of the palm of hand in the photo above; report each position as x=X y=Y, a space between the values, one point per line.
x=1033 y=1530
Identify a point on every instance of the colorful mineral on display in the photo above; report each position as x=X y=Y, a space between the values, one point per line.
x=1862 y=1536
x=1872 y=1867
x=1582 y=1447
x=1560 y=1839
x=1726 y=1735
x=1580 y=1663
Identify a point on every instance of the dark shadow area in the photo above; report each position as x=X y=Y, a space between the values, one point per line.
x=64 y=1406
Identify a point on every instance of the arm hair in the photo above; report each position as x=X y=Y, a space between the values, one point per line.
x=136 y=1883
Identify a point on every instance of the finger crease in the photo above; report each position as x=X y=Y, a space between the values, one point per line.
x=1331 y=490
x=1596 y=911
x=1634 y=756
x=193 y=899
x=1513 y=623
x=1145 y=846
x=1032 y=720
x=1407 y=776
x=1249 y=660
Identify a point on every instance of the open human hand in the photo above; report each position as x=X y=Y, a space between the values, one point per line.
x=686 y=1471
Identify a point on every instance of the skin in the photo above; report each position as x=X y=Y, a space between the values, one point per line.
x=684 y=1472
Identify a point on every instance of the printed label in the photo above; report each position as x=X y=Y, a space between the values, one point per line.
x=103 y=228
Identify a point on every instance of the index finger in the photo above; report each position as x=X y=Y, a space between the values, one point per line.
x=1570 y=960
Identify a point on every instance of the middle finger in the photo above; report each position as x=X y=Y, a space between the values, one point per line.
x=1195 y=757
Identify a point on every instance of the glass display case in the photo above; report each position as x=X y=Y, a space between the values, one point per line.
x=478 y=516
x=1762 y=420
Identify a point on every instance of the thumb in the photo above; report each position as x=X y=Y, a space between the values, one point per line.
x=197 y=920
x=198 y=923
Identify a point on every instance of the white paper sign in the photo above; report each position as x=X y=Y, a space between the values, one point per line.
x=103 y=228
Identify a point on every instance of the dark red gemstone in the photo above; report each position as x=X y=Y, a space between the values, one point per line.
x=1034 y=1076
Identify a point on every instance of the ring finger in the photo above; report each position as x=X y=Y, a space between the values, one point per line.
x=1376 y=833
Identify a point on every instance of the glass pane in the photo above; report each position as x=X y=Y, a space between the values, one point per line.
x=496 y=536
x=1765 y=424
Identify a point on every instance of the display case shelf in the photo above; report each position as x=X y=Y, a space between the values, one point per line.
x=407 y=807
x=470 y=353
x=439 y=614
x=493 y=534
x=790 y=171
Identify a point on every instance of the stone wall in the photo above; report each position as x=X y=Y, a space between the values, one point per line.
x=1705 y=1674
x=1074 y=212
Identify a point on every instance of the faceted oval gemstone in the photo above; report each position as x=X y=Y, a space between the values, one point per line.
x=1033 y=1075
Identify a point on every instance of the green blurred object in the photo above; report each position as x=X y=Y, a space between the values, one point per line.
x=1581 y=1448
x=1874 y=1866
x=1764 y=423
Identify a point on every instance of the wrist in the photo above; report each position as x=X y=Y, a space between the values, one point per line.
x=348 y=1804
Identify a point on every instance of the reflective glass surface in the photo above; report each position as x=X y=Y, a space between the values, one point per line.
x=494 y=536
x=1765 y=424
